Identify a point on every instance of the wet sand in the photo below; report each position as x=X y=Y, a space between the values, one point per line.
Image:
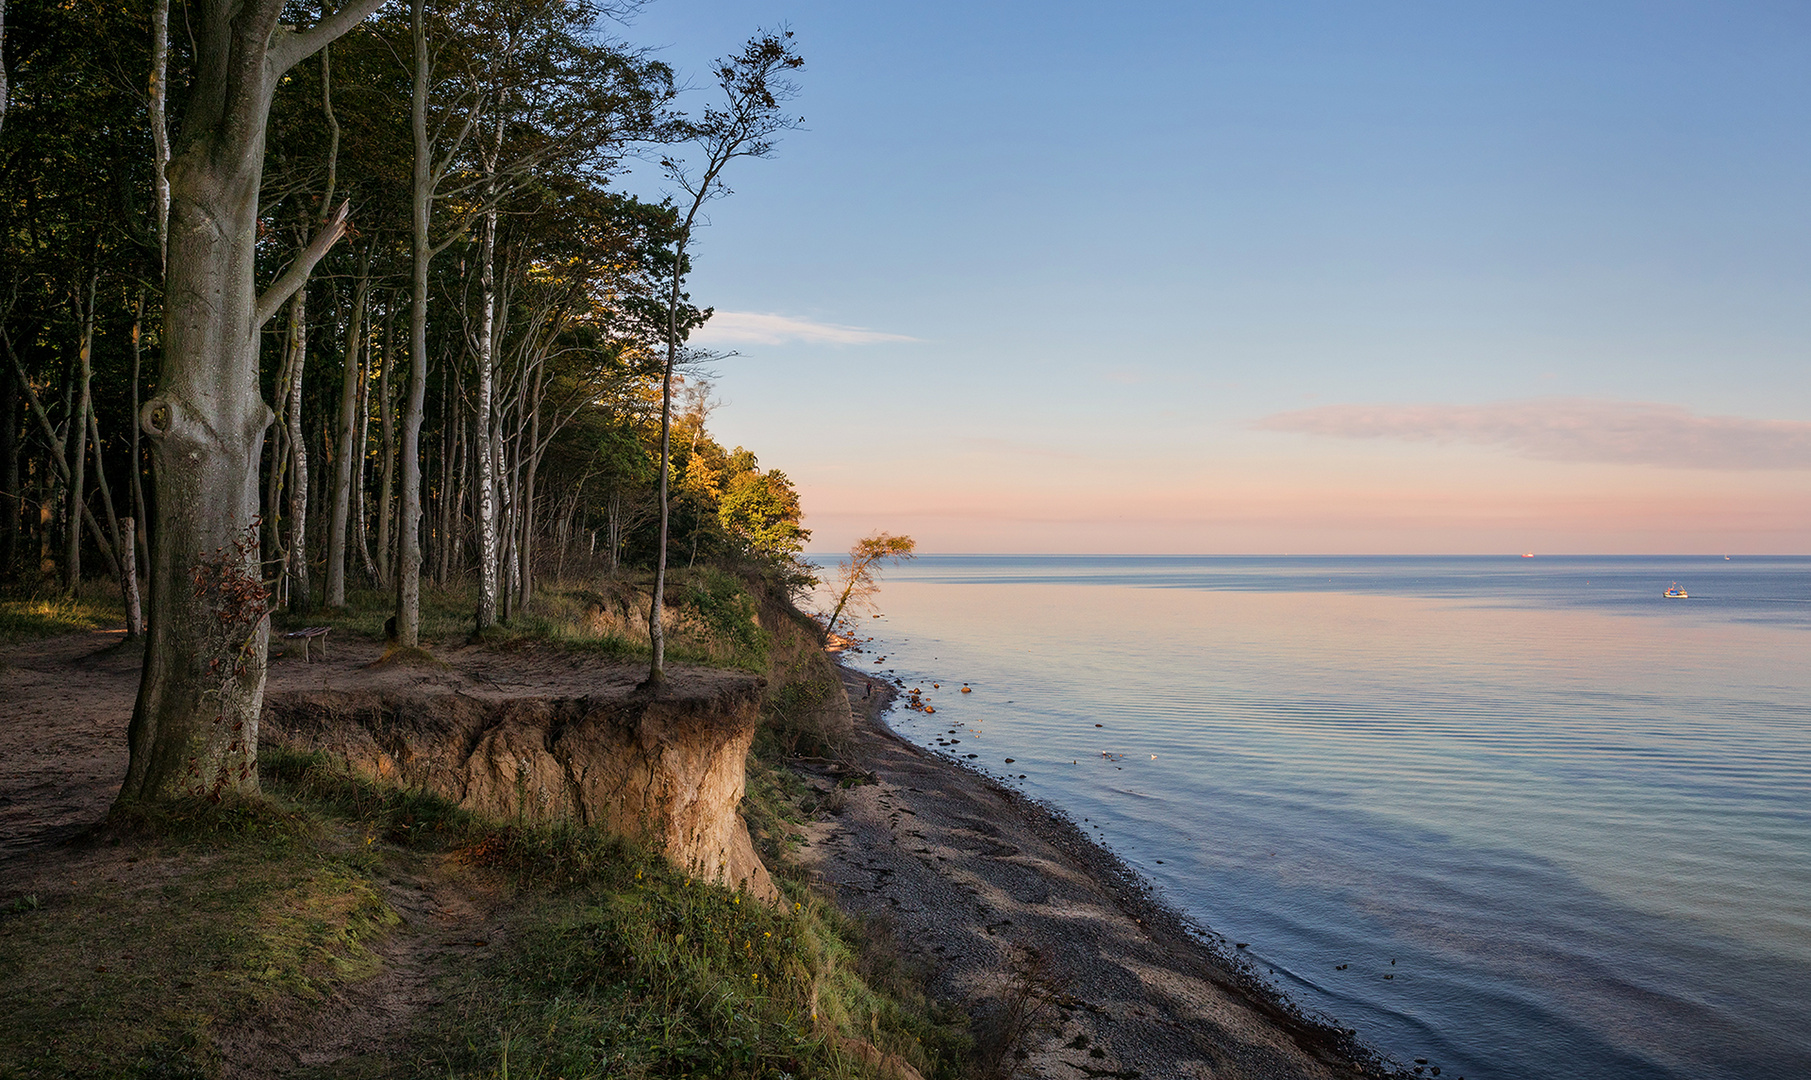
x=1067 y=961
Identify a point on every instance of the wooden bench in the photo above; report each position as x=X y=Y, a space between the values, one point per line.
x=308 y=634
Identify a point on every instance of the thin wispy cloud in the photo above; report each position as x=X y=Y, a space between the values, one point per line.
x=730 y=328
x=1572 y=429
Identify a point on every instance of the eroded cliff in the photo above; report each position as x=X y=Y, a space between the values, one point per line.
x=667 y=770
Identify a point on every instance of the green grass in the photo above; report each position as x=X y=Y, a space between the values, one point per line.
x=710 y=618
x=610 y=962
x=213 y=918
x=29 y=618
x=226 y=914
x=620 y=965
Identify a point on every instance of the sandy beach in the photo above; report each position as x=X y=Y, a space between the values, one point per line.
x=1036 y=930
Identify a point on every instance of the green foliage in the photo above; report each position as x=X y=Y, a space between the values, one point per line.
x=723 y=605
x=762 y=510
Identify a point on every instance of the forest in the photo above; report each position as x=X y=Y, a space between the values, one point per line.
x=468 y=340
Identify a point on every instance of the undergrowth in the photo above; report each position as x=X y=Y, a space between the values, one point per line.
x=709 y=618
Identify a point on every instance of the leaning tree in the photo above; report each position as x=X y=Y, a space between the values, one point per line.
x=194 y=731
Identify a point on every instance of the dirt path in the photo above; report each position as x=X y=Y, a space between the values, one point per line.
x=64 y=706
x=447 y=917
x=1041 y=933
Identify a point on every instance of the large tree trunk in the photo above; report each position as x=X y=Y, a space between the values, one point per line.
x=194 y=731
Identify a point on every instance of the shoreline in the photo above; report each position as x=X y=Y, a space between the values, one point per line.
x=1005 y=902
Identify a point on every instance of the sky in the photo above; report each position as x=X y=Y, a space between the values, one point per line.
x=1271 y=277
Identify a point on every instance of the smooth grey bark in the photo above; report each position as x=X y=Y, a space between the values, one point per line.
x=194 y=730
x=135 y=615
x=387 y=429
x=349 y=452
x=408 y=540
x=426 y=177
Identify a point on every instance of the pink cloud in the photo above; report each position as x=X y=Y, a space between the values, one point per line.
x=1572 y=429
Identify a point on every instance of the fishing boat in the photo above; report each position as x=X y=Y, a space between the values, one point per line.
x=1676 y=593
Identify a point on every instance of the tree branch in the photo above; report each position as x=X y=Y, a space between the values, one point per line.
x=289 y=48
x=297 y=275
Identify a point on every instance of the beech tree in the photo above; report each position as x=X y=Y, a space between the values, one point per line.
x=194 y=730
x=131 y=255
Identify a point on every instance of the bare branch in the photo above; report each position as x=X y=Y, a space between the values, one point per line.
x=297 y=275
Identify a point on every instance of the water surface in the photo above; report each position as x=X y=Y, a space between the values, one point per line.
x=1519 y=817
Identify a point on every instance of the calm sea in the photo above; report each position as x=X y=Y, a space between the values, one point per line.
x=1518 y=817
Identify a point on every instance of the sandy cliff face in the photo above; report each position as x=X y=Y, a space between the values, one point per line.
x=668 y=771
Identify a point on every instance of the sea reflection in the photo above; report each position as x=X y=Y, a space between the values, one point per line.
x=1581 y=831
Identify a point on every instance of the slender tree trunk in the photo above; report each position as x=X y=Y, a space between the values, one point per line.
x=656 y=638
x=349 y=453
x=408 y=571
x=526 y=544
x=160 y=132
x=301 y=597
x=100 y=482
x=386 y=425
x=78 y=444
x=485 y=491
x=135 y=615
x=361 y=484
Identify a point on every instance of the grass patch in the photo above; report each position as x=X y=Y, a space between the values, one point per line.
x=709 y=618
x=180 y=926
x=155 y=946
x=28 y=618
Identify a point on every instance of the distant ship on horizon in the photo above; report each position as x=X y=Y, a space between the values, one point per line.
x=1676 y=593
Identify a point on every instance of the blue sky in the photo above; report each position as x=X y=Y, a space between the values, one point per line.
x=1258 y=277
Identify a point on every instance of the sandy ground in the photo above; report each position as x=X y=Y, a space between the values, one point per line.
x=1036 y=929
